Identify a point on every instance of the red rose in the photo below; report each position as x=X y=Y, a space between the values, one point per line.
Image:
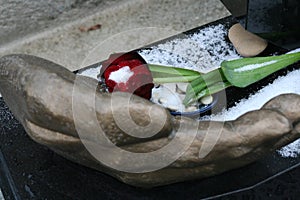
x=128 y=72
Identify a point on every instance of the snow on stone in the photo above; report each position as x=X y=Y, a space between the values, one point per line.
x=294 y=51
x=290 y=151
x=202 y=51
x=91 y=72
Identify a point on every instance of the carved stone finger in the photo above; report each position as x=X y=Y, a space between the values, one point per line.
x=240 y=142
x=288 y=104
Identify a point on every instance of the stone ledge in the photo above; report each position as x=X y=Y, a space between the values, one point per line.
x=63 y=43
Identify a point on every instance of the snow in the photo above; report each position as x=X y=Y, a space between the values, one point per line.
x=282 y=85
x=122 y=75
x=202 y=51
x=92 y=72
x=294 y=51
x=290 y=151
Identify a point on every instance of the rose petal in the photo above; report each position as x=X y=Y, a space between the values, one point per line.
x=140 y=83
x=116 y=58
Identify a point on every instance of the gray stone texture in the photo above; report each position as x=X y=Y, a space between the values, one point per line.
x=19 y=18
x=50 y=29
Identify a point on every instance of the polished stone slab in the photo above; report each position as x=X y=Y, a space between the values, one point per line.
x=37 y=172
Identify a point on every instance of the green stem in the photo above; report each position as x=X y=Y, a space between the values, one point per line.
x=215 y=88
x=172 y=70
x=201 y=83
x=175 y=79
x=165 y=74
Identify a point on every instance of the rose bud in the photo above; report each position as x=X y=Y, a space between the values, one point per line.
x=128 y=72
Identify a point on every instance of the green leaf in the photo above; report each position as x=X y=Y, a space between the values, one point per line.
x=217 y=87
x=212 y=89
x=207 y=79
x=245 y=71
x=198 y=85
x=192 y=93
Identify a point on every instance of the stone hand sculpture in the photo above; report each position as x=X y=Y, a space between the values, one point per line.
x=66 y=113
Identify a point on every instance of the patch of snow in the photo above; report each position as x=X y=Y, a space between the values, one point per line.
x=290 y=151
x=282 y=85
x=91 y=72
x=202 y=51
x=122 y=75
